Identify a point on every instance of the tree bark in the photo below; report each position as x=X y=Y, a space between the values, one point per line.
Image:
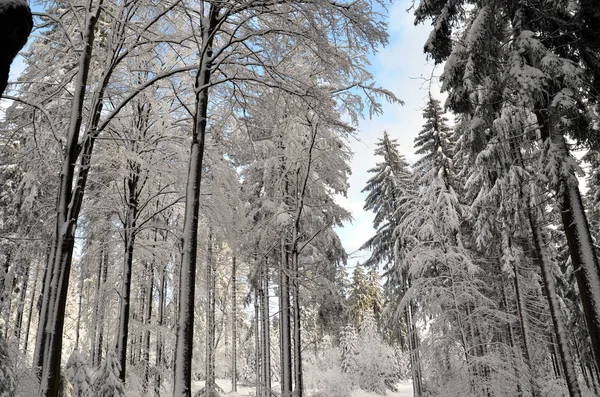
x=29 y=317
x=234 y=325
x=51 y=322
x=147 y=322
x=285 y=338
x=187 y=275
x=21 y=303
x=557 y=319
x=210 y=319
x=129 y=235
x=266 y=336
x=577 y=232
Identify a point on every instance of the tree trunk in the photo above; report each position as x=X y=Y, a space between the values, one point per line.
x=285 y=338
x=258 y=345
x=210 y=319
x=51 y=322
x=524 y=327
x=187 y=275
x=266 y=336
x=147 y=322
x=33 y=295
x=101 y=306
x=298 y=380
x=577 y=232
x=234 y=325
x=79 y=304
x=557 y=319
x=129 y=235
x=21 y=304
x=159 y=338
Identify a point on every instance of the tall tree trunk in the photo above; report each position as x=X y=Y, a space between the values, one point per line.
x=187 y=276
x=266 y=327
x=159 y=337
x=298 y=379
x=524 y=328
x=557 y=319
x=147 y=322
x=210 y=319
x=512 y=342
x=51 y=322
x=577 y=232
x=21 y=303
x=285 y=338
x=79 y=305
x=129 y=235
x=99 y=342
x=258 y=345
x=413 y=347
x=234 y=325
x=30 y=310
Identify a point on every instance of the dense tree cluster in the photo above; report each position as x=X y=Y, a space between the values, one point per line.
x=489 y=250
x=145 y=275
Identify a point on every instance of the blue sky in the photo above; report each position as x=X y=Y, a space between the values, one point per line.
x=402 y=68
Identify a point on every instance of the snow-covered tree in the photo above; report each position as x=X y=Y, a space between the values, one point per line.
x=78 y=374
x=106 y=379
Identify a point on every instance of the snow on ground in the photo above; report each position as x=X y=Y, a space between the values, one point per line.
x=404 y=390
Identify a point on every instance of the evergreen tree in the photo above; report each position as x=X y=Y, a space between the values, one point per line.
x=386 y=188
x=366 y=295
x=78 y=374
x=106 y=380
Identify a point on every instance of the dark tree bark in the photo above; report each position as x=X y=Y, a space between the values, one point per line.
x=15 y=26
x=129 y=235
x=557 y=319
x=56 y=280
x=577 y=232
x=285 y=321
x=187 y=275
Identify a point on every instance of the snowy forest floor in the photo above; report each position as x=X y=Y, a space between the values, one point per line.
x=404 y=390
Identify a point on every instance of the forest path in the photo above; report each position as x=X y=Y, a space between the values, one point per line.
x=404 y=390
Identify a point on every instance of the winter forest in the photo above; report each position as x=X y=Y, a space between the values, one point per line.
x=173 y=180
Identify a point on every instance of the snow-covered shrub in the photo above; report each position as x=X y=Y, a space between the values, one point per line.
x=78 y=373
x=107 y=382
x=8 y=383
x=370 y=362
x=324 y=376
